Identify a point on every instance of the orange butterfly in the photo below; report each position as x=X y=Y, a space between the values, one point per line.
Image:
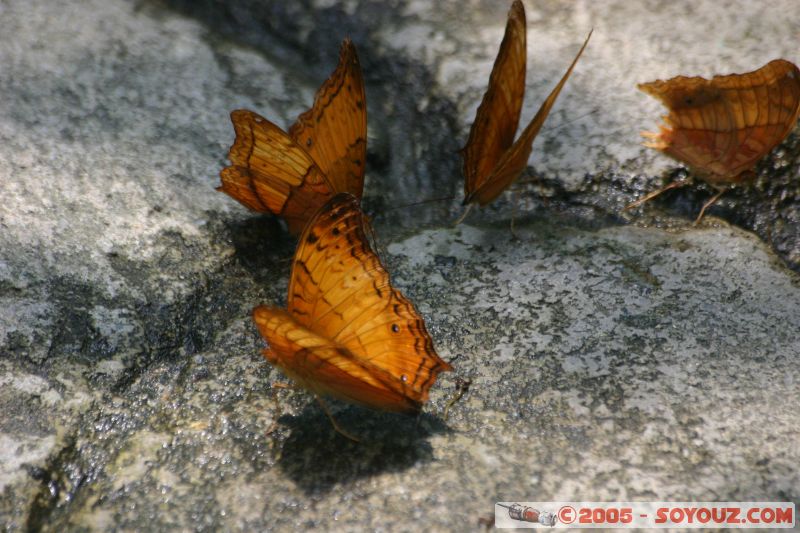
x=492 y=160
x=723 y=126
x=346 y=331
x=292 y=175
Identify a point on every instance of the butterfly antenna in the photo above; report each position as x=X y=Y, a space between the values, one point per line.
x=650 y=196
x=462 y=217
x=576 y=119
x=333 y=421
x=708 y=204
x=421 y=202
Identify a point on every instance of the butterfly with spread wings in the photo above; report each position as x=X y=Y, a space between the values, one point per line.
x=492 y=159
x=346 y=332
x=293 y=174
x=721 y=127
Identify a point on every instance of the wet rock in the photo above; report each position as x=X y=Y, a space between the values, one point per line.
x=608 y=361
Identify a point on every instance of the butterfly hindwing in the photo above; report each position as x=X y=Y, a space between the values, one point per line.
x=270 y=172
x=497 y=118
x=324 y=367
x=723 y=126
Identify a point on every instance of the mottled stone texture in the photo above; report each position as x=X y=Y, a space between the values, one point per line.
x=611 y=356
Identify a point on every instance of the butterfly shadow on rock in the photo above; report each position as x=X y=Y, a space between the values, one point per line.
x=317 y=458
x=260 y=242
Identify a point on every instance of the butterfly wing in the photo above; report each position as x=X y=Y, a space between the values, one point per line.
x=326 y=368
x=334 y=130
x=723 y=126
x=353 y=335
x=270 y=172
x=515 y=159
x=497 y=117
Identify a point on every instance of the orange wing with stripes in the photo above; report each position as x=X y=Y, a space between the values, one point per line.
x=347 y=332
x=492 y=160
x=293 y=174
x=723 y=126
x=497 y=118
x=270 y=172
x=334 y=130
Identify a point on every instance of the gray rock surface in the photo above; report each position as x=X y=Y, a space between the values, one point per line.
x=609 y=361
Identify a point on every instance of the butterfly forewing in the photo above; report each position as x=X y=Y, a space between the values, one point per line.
x=515 y=159
x=497 y=118
x=334 y=130
x=723 y=126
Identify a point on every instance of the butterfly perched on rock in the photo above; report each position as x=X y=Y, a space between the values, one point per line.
x=346 y=332
x=292 y=174
x=492 y=159
x=722 y=127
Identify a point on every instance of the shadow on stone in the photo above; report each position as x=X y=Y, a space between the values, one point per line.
x=318 y=458
x=260 y=241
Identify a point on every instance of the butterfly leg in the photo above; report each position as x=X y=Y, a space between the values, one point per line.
x=708 y=204
x=514 y=207
x=462 y=386
x=534 y=178
x=333 y=420
x=462 y=217
x=274 y=388
x=278 y=411
x=650 y=196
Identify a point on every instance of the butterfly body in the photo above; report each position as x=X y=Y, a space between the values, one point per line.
x=346 y=331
